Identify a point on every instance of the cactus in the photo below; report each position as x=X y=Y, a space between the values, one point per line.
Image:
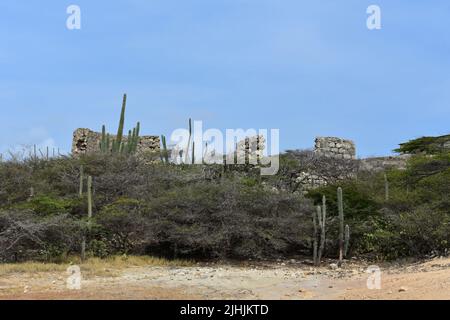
x=193 y=153
x=136 y=137
x=89 y=198
x=189 y=141
x=108 y=145
x=118 y=145
x=386 y=188
x=103 y=141
x=319 y=231
x=165 y=153
x=315 y=236
x=105 y=145
x=322 y=227
x=341 y=224
x=205 y=153
x=128 y=145
x=80 y=192
x=347 y=239
x=121 y=121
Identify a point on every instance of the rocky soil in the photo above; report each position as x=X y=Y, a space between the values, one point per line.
x=281 y=280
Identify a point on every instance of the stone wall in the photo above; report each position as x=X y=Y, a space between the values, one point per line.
x=250 y=149
x=335 y=147
x=376 y=164
x=342 y=159
x=88 y=141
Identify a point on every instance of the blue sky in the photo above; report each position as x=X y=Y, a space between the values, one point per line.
x=310 y=68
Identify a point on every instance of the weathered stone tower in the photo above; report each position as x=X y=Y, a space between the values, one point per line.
x=335 y=147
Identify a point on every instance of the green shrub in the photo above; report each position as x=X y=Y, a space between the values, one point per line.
x=48 y=205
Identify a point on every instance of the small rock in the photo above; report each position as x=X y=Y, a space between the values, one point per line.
x=402 y=289
x=330 y=287
x=334 y=266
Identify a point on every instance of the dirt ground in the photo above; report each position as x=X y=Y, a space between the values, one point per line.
x=282 y=280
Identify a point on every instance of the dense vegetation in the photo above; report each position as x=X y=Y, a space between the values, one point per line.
x=413 y=221
x=196 y=211
x=426 y=145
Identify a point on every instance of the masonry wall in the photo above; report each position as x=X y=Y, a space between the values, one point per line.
x=335 y=147
x=376 y=164
x=338 y=148
x=88 y=141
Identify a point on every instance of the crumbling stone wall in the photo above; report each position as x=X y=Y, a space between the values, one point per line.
x=335 y=147
x=250 y=149
x=341 y=155
x=376 y=164
x=88 y=141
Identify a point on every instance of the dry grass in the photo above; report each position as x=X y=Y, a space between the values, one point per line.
x=92 y=266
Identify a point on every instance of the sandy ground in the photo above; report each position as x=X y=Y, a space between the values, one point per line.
x=283 y=280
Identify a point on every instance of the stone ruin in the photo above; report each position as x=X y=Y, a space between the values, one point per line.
x=348 y=166
x=87 y=141
x=335 y=147
x=250 y=150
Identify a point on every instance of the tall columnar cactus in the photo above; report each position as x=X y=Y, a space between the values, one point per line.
x=80 y=190
x=103 y=141
x=386 y=188
x=315 y=235
x=80 y=194
x=165 y=153
x=119 y=145
x=319 y=231
x=89 y=197
x=205 y=153
x=129 y=144
x=322 y=221
x=189 y=142
x=193 y=153
x=136 y=137
x=346 y=240
x=121 y=121
x=341 y=224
